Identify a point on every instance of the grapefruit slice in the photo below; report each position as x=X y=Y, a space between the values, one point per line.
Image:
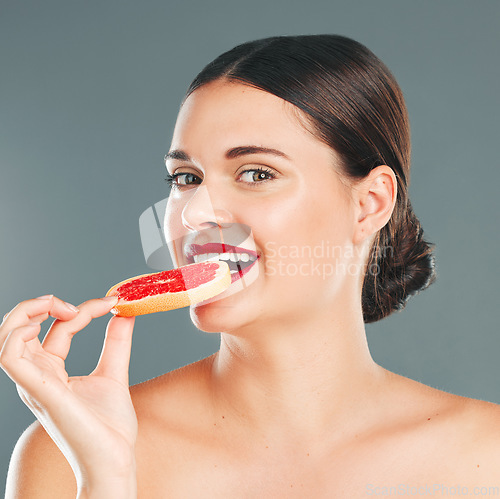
x=170 y=289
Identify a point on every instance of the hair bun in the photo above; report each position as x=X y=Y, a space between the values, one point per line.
x=400 y=267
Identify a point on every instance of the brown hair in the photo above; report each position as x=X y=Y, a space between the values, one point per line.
x=353 y=104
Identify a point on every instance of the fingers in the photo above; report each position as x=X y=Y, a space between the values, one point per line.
x=32 y=311
x=22 y=325
x=37 y=382
x=115 y=355
x=58 y=338
x=20 y=370
x=19 y=332
x=40 y=318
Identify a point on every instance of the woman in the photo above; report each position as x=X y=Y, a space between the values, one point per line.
x=305 y=140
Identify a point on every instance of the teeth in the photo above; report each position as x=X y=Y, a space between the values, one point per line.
x=205 y=257
x=233 y=257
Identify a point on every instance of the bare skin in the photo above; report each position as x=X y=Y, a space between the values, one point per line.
x=412 y=435
x=292 y=405
x=187 y=448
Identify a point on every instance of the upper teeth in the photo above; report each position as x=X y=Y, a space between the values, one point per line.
x=234 y=257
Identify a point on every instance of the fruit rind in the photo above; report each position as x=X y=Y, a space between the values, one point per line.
x=171 y=301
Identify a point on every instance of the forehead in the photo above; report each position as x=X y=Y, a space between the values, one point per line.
x=227 y=113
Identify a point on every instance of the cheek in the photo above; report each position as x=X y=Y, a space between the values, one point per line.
x=306 y=238
x=305 y=216
x=329 y=213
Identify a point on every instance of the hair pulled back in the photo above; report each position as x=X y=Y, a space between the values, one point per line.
x=352 y=103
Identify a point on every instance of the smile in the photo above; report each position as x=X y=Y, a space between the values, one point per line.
x=239 y=260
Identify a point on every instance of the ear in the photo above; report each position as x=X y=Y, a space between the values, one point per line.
x=375 y=197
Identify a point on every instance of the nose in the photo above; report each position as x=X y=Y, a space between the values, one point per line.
x=200 y=212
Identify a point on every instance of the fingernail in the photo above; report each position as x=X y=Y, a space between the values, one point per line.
x=110 y=298
x=71 y=307
x=44 y=297
x=33 y=324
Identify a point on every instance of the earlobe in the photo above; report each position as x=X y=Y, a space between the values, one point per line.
x=375 y=202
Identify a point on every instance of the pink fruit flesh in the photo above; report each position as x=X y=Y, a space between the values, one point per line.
x=170 y=281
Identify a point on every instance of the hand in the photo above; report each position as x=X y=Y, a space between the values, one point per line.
x=90 y=418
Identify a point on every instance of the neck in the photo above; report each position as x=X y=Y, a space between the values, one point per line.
x=301 y=379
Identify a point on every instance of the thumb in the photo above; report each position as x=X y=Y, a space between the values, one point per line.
x=115 y=356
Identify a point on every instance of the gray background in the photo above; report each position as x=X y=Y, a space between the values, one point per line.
x=88 y=100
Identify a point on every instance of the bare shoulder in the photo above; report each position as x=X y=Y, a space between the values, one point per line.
x=463 y=433
x=474 y=426
x=480 y=421
x=182 y=386
x=485 y=415
x=38 y=469
x=474 y=422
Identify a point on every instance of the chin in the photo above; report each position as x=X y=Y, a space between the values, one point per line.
x=225 y=311
x=216 y=317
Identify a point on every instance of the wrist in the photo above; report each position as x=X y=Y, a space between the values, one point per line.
x=109 y=485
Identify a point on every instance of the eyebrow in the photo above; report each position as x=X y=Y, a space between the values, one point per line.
x=235 y=152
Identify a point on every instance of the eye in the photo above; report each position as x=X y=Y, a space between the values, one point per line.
x=257 y=175
x=179 y=180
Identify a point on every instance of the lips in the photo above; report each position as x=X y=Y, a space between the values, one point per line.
x=240 y=260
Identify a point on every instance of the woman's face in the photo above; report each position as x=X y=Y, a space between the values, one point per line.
x=299 y=212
